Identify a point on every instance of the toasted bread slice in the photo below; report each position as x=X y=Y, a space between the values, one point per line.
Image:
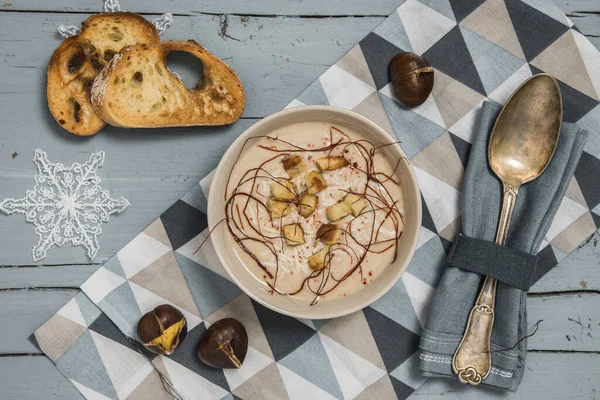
x=315 y=182
x=331 y=163
x=329 y=233
x=307 y=204
x=70 y=77
x=137 y=90
x=294 y=234
x=338 y=211
x=357 y=203
x=293 y=165
x=279 y=209
x=283 y=190
x=318 y=260
x=79 y=59
x=110 y=32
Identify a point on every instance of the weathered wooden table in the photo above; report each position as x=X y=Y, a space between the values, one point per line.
x=278 y=47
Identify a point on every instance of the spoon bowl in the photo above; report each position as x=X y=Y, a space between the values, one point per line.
x=526 y=132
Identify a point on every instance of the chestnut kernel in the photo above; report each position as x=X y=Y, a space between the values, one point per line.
x=224 y=344
x=162 y=330
x=412 y=78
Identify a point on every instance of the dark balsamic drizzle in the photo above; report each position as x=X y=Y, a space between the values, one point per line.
x=380 y=202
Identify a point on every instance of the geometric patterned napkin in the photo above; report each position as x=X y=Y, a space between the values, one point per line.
x=480 y=49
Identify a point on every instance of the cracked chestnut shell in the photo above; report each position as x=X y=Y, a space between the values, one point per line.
x=162 y=330
x=224 y=344
x=412 y=78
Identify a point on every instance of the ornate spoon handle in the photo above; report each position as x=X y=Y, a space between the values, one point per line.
x=472 y=361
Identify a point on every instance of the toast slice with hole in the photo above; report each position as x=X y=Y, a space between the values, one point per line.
x=137 y=90
x=78 y=60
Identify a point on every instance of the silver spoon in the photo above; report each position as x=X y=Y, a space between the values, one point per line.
x=521 y=146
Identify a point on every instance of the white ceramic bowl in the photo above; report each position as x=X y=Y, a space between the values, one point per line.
x=224 y=243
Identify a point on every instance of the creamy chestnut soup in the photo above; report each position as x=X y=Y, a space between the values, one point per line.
x=315 y=211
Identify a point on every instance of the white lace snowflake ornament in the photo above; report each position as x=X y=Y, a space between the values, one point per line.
x=66 y=205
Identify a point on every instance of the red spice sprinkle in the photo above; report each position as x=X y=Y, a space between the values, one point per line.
x=364 y=282
x=355 y=165
x=370 y=273
x=346 y=151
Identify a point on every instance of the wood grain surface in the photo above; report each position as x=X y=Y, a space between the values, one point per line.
x=278 y=47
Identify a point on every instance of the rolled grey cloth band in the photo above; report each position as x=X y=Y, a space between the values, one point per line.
x=513 y=267
x=458 y=288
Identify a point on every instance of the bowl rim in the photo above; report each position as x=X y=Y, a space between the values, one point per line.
x=212 y=223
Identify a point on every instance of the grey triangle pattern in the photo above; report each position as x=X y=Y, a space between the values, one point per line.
x=427 y=263
x=318 y=323
x=393 y=31
x=127 y=322
x=196 y=198
x=310 y=362
x=409 y=373
x=88 y=309
x=113 y=265
x=210 y=290
x=402 y=390
x=94 y=375
x=591 y=123
x=394 y=304
x=314 y=94
x=105 y=327
x=441 y=6
x=405 y=122
x=550 y=10
x=494 y=64
x=462 y=8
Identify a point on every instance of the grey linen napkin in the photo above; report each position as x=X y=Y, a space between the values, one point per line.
x=456 y=293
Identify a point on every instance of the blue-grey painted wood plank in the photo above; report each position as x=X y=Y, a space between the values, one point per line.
x=580 y=270
x=266 y=7
x=22 y=312
x=33 y=377
x=549 y=376
x=571 y=322
x=589 y=25
x=572 y=6
x=45 y=276
x=269 y=7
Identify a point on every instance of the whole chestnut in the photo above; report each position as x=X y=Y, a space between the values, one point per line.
x=162 y=330
x=224 y=344
x=412 y=78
